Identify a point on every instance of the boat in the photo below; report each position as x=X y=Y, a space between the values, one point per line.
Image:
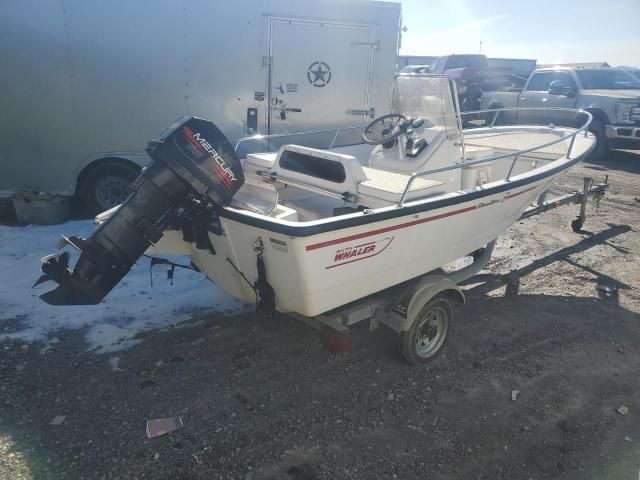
x=314 y=231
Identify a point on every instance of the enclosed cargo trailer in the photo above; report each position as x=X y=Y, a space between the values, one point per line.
x=86 y=83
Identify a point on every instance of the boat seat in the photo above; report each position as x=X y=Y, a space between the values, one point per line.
x=256 y=196
x=388 y=187
x=305 y=166
x=342 y=174
x=258 y=162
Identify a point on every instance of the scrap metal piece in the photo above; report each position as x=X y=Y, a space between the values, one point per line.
x=622 y=410
x=58 y=420
x=161 y=426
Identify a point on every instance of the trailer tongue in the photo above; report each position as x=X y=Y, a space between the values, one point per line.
x=194 y=172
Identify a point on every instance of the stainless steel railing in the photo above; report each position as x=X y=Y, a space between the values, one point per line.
x=583 y=128
x=277 y=136
x=572 y=135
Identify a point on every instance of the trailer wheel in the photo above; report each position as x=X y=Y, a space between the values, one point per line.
x=106 y=186
x=428 y=332
x=576 y=225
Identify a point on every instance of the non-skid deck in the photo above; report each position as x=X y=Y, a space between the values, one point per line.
x=390 y=185
x=513 y=141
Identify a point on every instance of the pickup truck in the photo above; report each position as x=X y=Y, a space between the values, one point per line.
x=472 y=75
x=611 y=95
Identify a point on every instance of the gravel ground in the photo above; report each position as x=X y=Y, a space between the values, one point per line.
x=261 y=399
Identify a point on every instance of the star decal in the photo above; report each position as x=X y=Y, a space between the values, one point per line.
x=319 y=74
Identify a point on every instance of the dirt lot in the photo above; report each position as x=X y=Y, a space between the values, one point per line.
x=261 y=399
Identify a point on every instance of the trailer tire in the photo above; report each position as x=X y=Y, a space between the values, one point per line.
x=106 y=186
x=428 y=332
x=602 y=143
x=577 y=224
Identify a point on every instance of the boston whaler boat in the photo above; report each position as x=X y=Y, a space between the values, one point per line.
x=337 y=235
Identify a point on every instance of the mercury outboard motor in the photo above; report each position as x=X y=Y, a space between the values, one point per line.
x=194 y=172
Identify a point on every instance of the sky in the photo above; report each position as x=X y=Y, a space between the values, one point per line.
x=550 y=31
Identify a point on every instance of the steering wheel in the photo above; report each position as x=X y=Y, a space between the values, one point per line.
x=384 y=129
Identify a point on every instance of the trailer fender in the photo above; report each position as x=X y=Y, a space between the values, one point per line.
x=425 y=290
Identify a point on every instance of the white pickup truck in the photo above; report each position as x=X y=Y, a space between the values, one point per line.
x=612 y=96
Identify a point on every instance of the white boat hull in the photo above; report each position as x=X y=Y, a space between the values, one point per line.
x=327 y=229
x=317 y=273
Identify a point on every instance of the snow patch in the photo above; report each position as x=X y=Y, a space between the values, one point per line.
x=132 y=306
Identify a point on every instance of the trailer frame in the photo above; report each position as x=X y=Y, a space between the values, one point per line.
x=399 y=307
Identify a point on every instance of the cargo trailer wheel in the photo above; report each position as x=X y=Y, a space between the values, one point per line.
x=106 y=186
x=428 y=332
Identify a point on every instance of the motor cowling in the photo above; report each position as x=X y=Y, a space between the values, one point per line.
x=194 y=172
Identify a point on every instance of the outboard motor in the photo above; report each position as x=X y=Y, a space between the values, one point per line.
x=194 y=172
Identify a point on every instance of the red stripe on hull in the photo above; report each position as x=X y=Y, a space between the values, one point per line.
x=336 y=241
x=387 y=229
x=521 y=192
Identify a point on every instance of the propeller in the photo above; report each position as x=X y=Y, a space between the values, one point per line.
x=54 y=267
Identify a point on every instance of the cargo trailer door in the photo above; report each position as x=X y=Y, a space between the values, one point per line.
x=319 y=77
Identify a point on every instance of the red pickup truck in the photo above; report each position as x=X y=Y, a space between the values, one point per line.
x=472 y=76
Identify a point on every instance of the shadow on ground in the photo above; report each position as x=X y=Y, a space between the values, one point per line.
x=260 y=398
x=621 y=160
x=491 y=282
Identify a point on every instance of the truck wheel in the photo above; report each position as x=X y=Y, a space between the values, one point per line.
x=428 y=332
x=106 y=186
x=602 y=146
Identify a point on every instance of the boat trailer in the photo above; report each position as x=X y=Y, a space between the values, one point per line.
x=421 y=310
x=589 y=189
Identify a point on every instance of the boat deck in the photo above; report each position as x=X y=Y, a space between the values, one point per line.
x=394 y=182
x=513 y=141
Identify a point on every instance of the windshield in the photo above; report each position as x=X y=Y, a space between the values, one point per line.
x=429 y=98
x=607 y=79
